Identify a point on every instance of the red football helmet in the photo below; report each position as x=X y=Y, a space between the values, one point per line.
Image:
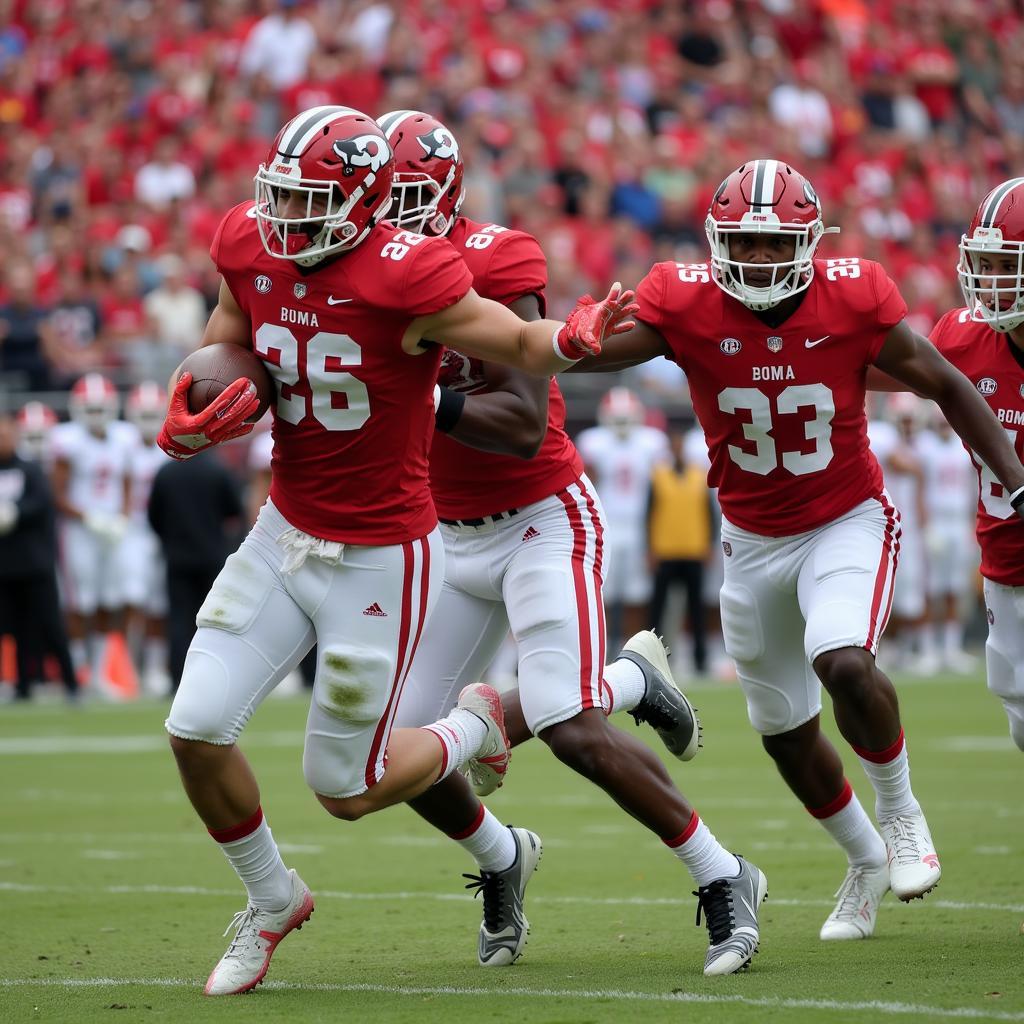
x=93 y=402
x=427 y=188
x=764 y=197
x=146 y=408
x=35 y=421
x=994 y=244
x=620 y=410
x=337 y=160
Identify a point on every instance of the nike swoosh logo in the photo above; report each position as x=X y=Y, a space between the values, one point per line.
x=811 y=344
x=332 y=301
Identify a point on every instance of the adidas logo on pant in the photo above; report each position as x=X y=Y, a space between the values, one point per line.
x=375 y=609
x=531 y=533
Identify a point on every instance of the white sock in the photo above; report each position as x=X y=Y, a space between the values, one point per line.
x=488 y=842
x=97 y=659
x=461 y=734
x=852 y=829
x=926 y=640
x=889 y=772
x=624 y=686
x=706 y=858
x=254 y=855
x=952 y=637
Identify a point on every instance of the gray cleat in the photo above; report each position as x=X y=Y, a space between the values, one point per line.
x=730 y=908
x=664 y=706
x=505 y=928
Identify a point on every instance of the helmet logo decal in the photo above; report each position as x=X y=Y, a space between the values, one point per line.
x=439 y=143
x=362 y=151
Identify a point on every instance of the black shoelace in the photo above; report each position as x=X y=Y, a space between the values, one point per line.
x=655 y=713
x=715 y=900
x=492 y=885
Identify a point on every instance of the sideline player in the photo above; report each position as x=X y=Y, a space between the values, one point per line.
x=143 y=573
x=776 y=345
x=523 y=531
x=985 y=340
x=620 y=454
x=346 y=551
x=90 y=465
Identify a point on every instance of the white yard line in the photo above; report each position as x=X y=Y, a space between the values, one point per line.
x=617 y=995
x=331 y=894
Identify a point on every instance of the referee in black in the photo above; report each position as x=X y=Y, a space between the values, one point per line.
x=29 y=601
x=195 y=508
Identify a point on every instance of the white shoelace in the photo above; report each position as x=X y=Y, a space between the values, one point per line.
x=904 y=841
x=242 y=923
x=850 y=894
x=299 y=546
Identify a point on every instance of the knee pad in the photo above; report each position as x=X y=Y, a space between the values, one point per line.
x=542 y=600
x=197 y=711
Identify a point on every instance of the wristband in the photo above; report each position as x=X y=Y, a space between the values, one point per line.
x=556 y=344
x=1017 y=500
x=449 y=409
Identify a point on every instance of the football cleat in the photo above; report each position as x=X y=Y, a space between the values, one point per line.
x=663 y=706
x=913 y=863
x=487 y=769
x=504 y=929
x=257 y=934
x=857 y=903
x=730 y=908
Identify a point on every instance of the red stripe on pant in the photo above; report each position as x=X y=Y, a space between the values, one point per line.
x=380 y=736
x=595 y=519
x=579 y=551
x=882 y=574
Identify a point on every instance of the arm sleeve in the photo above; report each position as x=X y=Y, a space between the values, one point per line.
x=517 y=268
x=436 y=277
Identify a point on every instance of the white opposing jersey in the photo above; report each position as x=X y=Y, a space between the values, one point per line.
x=951 y=483
x=144 y=461
x=621 y=466
x=903 y=488
x=98 y=465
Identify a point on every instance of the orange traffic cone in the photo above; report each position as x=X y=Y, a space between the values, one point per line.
x=118 y=669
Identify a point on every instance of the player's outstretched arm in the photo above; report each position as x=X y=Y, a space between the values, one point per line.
x=488 y=330
x=511 y=418
x=915 y=362
x=639 y=344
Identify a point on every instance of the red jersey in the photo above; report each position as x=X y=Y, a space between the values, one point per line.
x=782 y=408
x=996 y=368
x=354 y=412
x=469 y=483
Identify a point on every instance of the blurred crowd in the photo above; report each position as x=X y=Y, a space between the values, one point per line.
x=127 y=127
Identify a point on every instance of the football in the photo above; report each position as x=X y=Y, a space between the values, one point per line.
x=214 y=367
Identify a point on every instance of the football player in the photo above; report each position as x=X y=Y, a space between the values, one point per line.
x=143 y=573
x=985 y=341
x=776 y=344
x=90 y=466
x=346 y=551
x=620 y=454
x=35 y=425
x=524 y=533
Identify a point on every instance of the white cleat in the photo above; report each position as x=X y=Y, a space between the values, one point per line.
x=257 y=934
x=857 y=903
x=913 y=863
x=487 y=769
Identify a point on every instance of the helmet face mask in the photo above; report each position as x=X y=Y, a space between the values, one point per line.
x=325 y=185
x=764 y=197
x=427 y=189
x=991 y=266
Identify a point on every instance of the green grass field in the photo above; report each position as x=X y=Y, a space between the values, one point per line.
x=114 y=898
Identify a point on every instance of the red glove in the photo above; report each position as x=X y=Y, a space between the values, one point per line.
x=587 y=326
x=185 y=434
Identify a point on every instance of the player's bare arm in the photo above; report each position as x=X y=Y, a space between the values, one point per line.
x=639 y=344
x=479 y=327
x=511 y=418
x=227 y=323
x=916 y=363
